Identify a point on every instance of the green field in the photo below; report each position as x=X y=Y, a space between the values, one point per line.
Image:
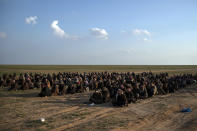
x=98 y=68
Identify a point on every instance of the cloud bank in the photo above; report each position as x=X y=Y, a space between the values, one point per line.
x=31 y=20
x=99 y=33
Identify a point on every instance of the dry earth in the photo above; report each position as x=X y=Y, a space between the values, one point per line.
x=21 y=110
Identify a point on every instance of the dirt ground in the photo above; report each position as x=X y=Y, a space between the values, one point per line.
x=22 y=110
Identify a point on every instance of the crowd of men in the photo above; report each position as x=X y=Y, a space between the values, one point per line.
x=119 y=88
x=125 y=88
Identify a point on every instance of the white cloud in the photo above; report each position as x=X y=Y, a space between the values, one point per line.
x=99 y=33
x=141 y=32
x=147 y=40
x=31 y=20
x=57 y=30
x=3 y=35
x=60 y=32
x=142 y=35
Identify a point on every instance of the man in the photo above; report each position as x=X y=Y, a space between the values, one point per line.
x=55 y=90
x=151 y=89
x=106 y=95
x=61 y=86
x=143 y=92
x=130 y=96
x=14 y=85
x=86 y=85
x=96 y=97
x=37 y=84
x=45 y=91
x=136 y=91
x=160 y=89
x=120 y=99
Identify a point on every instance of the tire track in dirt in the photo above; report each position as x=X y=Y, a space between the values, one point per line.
x=63 y=111
x=120 y=111
x=170 y=118
x=103 y=113
x=46 y=116
x=68 y=114
x=90 y=117
x=107 y=115
x=147 y=120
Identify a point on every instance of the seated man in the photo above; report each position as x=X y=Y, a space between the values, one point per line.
x=14 y=85
x=106 y=95
x=120 y=99
x=45 y=90
x=80 y=87
x=130 y=96
x=96 y=97
x=72 y=88
x=61 y=86
x=152 y=90
x=160 y=88
x=37 y=84
x=86 y=86
x=136 y=91
x=55 y=90
x=25 y=85
x=143 y=92
x=64 y=91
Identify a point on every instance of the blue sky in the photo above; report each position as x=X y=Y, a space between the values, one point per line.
x=99 y=32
